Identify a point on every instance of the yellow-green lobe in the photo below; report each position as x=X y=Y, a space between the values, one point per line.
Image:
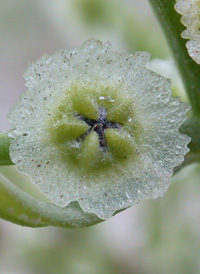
x=85 y=105
x=74 y=131
x=120 y=144
x=89 y=151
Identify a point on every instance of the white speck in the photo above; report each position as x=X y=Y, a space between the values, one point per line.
x=106 y=98
x=76 y=145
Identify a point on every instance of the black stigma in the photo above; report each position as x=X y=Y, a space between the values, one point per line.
x=99 y=126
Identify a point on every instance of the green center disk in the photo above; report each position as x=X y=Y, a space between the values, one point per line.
x=93 y=128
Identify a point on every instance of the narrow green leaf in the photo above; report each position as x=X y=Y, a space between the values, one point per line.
x=191 y=127
x=20 y=208
x=189 y=70
x=4 y=150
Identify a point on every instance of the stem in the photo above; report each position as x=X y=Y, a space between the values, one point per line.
x=189 y=70
x=4 y=150
x=20 y=208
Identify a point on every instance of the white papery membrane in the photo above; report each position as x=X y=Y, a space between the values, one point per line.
x=190 y=11
x=159 y=147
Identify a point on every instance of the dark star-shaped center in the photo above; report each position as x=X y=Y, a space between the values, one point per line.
x=99 y=126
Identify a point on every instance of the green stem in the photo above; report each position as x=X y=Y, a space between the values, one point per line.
x=189 y=70
x=20 y=208
x=4 y=150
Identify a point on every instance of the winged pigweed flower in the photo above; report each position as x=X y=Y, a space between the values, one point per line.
x=190 y=9
x=97 y=127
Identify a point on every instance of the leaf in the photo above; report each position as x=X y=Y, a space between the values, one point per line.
x=4 y=150
x=189 y=70
x=20 y=208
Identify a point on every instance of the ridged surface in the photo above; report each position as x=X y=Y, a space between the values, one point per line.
x=159 y=146
x=190 y=9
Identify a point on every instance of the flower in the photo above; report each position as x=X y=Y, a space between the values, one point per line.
x=97 y=127
x=190 y=9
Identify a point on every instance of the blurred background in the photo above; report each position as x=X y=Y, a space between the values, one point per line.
x=153 y=237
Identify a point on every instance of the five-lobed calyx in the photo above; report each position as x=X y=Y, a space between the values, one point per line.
x=114 y=166
x=93 y=128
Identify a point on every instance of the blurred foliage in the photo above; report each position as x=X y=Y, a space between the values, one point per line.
x=124 y=19
x=97 y=12
x=158 y=236
x=169 y=241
